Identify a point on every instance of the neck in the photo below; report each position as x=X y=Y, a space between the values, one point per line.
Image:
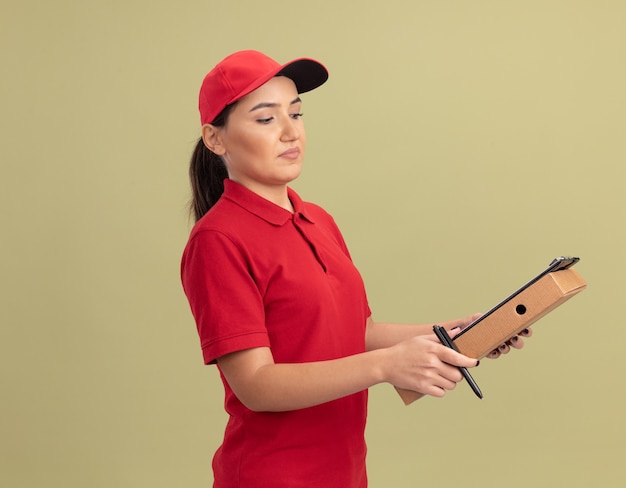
x=275 y=194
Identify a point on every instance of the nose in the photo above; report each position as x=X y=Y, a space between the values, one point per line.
x=291 y=129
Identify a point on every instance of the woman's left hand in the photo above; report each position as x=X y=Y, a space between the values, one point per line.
x=515 y=342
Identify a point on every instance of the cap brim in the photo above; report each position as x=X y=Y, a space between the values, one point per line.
x=307 y=74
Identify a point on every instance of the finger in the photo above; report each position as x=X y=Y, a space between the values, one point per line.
x=450 y=375
x=516 y=342
x=504 y=348
x=465 y=321
x=474 y=317
x=445 y=385
x=436 y=391
x=454 y=331
x=457 y=359
x=526 y=332
x=495 y=354
x=437 y=386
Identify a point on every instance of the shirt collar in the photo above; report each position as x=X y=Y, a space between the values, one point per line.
x=261 y=207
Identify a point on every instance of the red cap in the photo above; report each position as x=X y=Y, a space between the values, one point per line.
x=245 y=71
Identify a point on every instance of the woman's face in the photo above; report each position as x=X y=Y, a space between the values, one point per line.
x=263 y=140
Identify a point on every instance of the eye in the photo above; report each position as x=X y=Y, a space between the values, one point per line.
x=296 y=116
x=265 y=121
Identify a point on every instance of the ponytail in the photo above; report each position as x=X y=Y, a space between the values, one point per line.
x=207 y=173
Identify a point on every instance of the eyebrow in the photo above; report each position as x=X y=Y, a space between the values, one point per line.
x=273 y=105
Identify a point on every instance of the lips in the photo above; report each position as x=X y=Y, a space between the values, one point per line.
x=292 y=153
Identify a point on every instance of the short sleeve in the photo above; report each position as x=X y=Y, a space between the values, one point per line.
x=225 y=301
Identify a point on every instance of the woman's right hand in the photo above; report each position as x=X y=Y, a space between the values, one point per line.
x=424 y=365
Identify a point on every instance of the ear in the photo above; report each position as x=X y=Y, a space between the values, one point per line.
x=211 y=136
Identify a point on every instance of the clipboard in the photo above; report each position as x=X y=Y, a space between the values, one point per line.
x=529 y=303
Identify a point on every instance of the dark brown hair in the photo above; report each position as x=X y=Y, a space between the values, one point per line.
x=207 y=173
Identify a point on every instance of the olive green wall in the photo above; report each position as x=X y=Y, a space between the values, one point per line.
x=461 y=145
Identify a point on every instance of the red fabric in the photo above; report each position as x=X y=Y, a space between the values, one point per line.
x=257 y=275
x=244 y=71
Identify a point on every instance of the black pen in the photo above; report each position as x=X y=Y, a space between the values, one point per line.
x=443 y=336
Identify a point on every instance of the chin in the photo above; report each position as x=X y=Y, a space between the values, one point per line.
x=293 y=172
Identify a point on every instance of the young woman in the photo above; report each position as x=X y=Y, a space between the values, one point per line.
x=279 y=306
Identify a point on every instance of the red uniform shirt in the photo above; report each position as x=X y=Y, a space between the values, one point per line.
x=257 y=275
